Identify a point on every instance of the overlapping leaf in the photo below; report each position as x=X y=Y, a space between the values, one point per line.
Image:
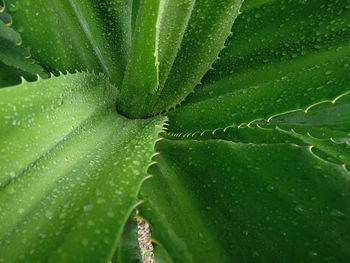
x=204 y=37
x=141 y=76
x=70 y=169
x=15 y=60
x=330 y=120
x=154 y=41
x=283 y=55
x=173 y=47
x=128 y=250
x=74 y=35
x=220 y=201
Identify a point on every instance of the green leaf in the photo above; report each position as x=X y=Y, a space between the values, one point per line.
x=204 y=37
x=339 y=151
x=134 y=14
x=129 y=249
x=283 y=56
x=71 y=168
x=329 y=119
x=244 y=134
x=14 y=59
x=9 y=34
x=325 y=126
x=155 y=45
x=141 y=75
x=219 y=201
x=9 y=76
x=74 y=35
x=5 y=17
x=174 y=44
x=161 y=255
x=173 y=21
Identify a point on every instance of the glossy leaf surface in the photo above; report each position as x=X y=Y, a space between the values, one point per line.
x=253 y=165
x=219 y=201
x=75 y=35
x=174 y=45
x=71 y=168
x=207 y=29
x=141 y=75
x=283 y=56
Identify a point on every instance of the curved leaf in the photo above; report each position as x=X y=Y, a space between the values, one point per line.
x=156 y=41
x=219 y=201
x=174 y=45
x=10 y=76
x=71 y=168
x=141 y=76
x=74 y=35
x=14 y=59
x=283 y=56
x=129 y=249
x=326 y=126
x=204 y=37
x=5 y=17
x=244 y=134
x=330 y=119
x=172 y=24
x=339 y=151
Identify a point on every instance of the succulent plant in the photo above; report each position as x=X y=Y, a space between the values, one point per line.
x=224 y=123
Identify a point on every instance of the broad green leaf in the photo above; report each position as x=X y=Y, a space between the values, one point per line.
x=283 y=56
x=220 y=201
x=73 y=35
x=71 y=168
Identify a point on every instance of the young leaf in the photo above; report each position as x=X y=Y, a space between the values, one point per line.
x=71 y=168
x=141 y=75
x=174 y=44
x=204 y=37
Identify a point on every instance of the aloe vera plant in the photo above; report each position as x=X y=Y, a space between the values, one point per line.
x=224 y=123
